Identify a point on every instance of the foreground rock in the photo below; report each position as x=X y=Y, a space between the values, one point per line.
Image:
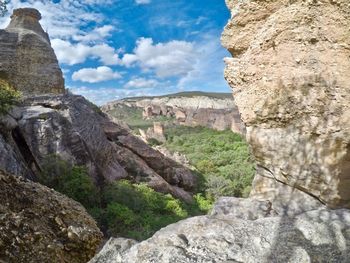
x=212 y=110
x=72 y=128
x=40 y=225
x=315 y=236
x=27 y=60
x=290 y=75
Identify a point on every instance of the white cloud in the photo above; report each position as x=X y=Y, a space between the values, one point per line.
x=95 y=75
x=71 y=54
x=97 y=34
x=141 y=83
x=142 y=2
x=174 y=58
x=63 y=19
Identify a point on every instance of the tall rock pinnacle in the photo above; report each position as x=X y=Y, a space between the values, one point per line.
x=27 y=60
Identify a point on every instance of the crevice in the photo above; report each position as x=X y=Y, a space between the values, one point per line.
x=25 y=151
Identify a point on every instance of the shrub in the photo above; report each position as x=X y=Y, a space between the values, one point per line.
x=8 y=98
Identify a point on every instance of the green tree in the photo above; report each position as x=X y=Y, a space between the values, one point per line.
x=8 y=98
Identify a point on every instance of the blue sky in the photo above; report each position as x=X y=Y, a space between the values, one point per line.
x=114 y=49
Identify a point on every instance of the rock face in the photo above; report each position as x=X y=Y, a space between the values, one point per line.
x=27 y=61
x=72 y=128
x=291 y=83
x=216 y=111
x=315 y=236
x=40 y=225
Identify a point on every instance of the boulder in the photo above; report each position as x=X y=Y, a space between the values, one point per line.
x=290 y=79
x=27 y=60
x=315 y=236
x=40 y=225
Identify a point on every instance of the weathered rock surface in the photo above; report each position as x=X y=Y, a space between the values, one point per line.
x=315 y=236
x=27 y=61
x=291 y=83
x=215 y=111
x=38 y=224
x=72 y=128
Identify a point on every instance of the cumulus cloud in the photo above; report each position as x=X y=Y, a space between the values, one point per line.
x=141 y=83
x=142 y=2
x=63 y=19
x=71 y=54
x=174 y=58
x=103 y=95
x=95 y=75
x=97 y=34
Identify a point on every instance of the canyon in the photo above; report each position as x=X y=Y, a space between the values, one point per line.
x=289 y=72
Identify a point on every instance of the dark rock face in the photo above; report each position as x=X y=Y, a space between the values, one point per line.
x=40 y=225
x=70 y=127
x=27 y=60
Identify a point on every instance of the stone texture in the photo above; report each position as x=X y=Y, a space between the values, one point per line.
x=316 y=236
x=112 y=251
x=72 y=128
x=27 y=61
x=290 y=79
x=40 y=225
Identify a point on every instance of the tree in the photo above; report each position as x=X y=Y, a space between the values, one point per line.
x=3 y=7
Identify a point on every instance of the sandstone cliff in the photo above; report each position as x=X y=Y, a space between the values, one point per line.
x=213 y=110
x=40 y=225
x=290 y=78
x=27 y=61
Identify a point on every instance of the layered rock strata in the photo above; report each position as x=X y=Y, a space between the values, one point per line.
x=216 y=112
x=290 y=78
x=27 y=61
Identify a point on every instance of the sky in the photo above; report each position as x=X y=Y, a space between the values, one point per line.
x=113 y=49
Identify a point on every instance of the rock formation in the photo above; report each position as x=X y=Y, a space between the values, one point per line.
x=290 y=77
x=27 y=61
x=214 y=111
x=40 y=225
x=70 y=127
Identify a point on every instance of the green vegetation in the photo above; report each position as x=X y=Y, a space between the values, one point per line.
x=221 y=157
x=122 y=208
x=133 y=117
x=8 y=98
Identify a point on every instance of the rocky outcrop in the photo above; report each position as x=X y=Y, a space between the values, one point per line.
x=40 y=225
x=316 y=236
x=216 y=111
x=72 y=128
x=290 y=73
x=27 y=61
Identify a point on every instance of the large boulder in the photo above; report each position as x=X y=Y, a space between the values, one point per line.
x=291 y=83
x=40 y=225
x=27 y=60
x=315 y=236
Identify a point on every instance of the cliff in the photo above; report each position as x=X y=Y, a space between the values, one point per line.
x=291 y=79
x=212 y=110
x=289 y=75
x=27 y=60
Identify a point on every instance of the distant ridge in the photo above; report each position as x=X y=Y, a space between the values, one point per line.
x=188 y=94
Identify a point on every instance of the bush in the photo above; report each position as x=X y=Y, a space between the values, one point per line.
x=8 y=98
x=221 y=157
